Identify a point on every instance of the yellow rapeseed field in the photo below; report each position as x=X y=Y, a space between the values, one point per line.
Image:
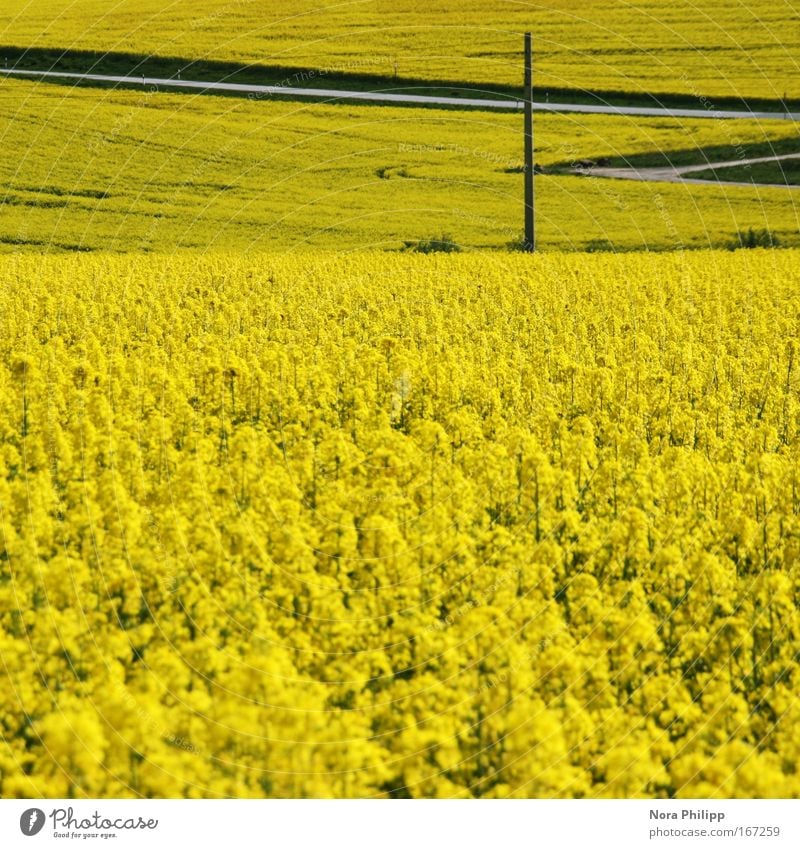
x=400 y=525
x=706 y=48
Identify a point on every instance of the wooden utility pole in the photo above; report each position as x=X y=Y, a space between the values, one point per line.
x=530 y=229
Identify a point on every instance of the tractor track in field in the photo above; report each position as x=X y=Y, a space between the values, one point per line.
x=669 y=174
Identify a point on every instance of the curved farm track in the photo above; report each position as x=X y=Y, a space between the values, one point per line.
x=682 y=173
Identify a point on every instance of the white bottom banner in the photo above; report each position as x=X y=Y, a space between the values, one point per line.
x=400 y=824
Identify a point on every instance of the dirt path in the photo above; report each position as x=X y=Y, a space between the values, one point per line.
x=677 y=174
x=332 y=95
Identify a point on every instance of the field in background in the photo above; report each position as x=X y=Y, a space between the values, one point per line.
x=132 y=170
x=401 y=526
x=706 y=47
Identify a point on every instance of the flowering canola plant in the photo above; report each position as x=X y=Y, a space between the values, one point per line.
x=373 y=525
x=705 y=48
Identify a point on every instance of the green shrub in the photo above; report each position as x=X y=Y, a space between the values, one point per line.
x=754 y=238
x=438 y=244
x=518 y=245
